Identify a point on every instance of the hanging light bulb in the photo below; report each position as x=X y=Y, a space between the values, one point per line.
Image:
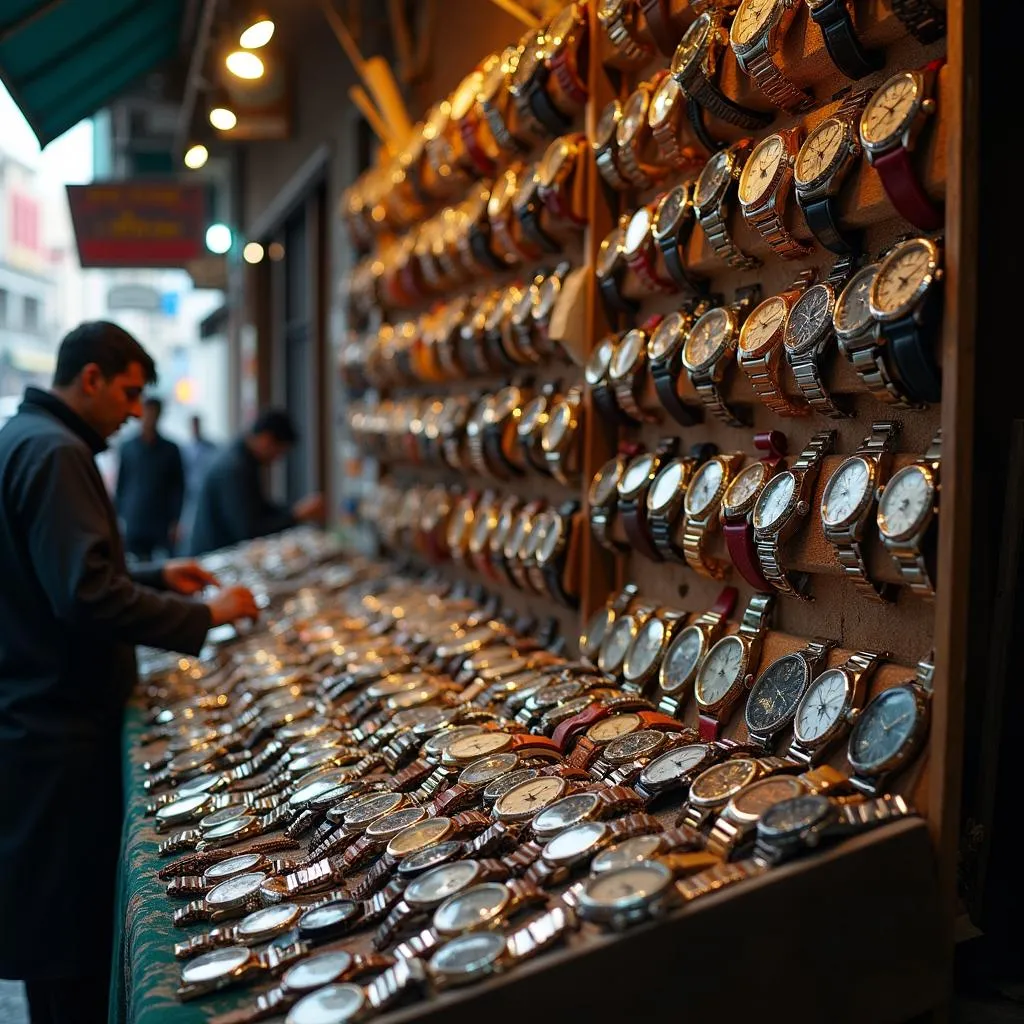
x=223 y=118
x=244 y=64
x=196 y=156
x=257 y=33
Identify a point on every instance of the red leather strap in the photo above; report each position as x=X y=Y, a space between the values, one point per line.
x=773 y=442
x=905 y=191
x=739 y=540
x=725 y=602
x=708 y=728
x=539 y=745
x=568 y=730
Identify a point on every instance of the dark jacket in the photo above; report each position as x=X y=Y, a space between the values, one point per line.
x=70 y=616
x=232 y=505
x=150 y=490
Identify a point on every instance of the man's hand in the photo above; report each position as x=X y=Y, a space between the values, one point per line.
x=309 y=509
x=232 y=604
x=184 y=576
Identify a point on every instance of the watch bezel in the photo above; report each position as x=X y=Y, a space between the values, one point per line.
x=927 y=282
x=779 y=722
x=908 y=749
x=821 y=329
x=924 y=520
x=865 y=501
x=841 y=720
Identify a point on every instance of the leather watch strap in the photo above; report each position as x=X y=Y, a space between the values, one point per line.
x=634 y=520
x=835 y=20
x=913 y=356
x=905 y=191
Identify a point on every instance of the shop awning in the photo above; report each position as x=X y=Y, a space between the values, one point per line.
x=63 y=60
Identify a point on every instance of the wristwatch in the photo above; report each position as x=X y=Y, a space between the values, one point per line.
x=908 y=511
x=923 y=19
x=824 y=161
x=634 y=140
x=665 y=358
x=602 y=501
x=566 y=51
x=687 y=651
x=782 y=507
x=906 y=300
x=528 y=209
x=773 y=698
x=668 y=117
x=620 y=762
x=642 y=848
x=596 y=631
x=618 y=21
x=552 y=553
x=233 y=965
x=595 y=374
x=835 y=19
x=560 y=438
x=848 y=504
x=716 y=185
x=717 y=785
x=626 y=896
x=627 y=374
x=702 y=504
x=727 y=670
x=609 y=270
x=562 y=162
x=764 y=190
x=756 y=36
x=665 y=499
x=830 y=705
x=644 y=656
x=535 y=414
x=890 y=731
x=603 y=145
x=610 y=721
x=759 y=352
x=709 y=351
x=636 y=479
x=475 y=150
x=595 y=804
x=739 y=500
x=671 y=226
x=675 y=769
x=890 y=128
x=494 y=100
x=528 y=88
x=641 y=251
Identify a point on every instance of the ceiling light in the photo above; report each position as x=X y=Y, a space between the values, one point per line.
x=257 y=34
x=223 y=119
x=243 y=64
x=253 y=252
x=218 y=238
x=196 y=156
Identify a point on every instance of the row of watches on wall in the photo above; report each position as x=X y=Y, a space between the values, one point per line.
x=482 y=334
x=669 y=506
x=761 y=175
x=467 y=798
x=883 y=317
x=510 y=433
x=527 y=544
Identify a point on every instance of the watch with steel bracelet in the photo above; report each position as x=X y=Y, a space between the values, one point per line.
x=713 y=195
x=848 y=504
x=633 y=137
x=672 y=771
x=923 y=19
x=604 y=147
x=835 y=19
x=596 y=804
x=618 y=20
x=665 y=499
x=627 y=373
x=669 y=118
x=621 y=761
x=234 y=965
x=757 y=46
x=702 y=504
x=717 y=785
x=782 y=507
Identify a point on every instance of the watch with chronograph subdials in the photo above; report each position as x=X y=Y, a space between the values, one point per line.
x=701 y=505
x=756 y=36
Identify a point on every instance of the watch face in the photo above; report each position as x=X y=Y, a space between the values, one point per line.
x=435 y=886
x=666 y=336
x=472 y=747
x=794 y=815
x=822 y=706
x=638 y=231
x=670 y=210
x=673 y=765
x=468 y=955
x=626 y=888
x=183 y=809
x=883 y=729
x=775 y=500
x=526 y=799
x=613 y=651
x=236 y=889
x=642 y=743
x=764 y=794
x=487 y=769
x=604 y=486
x=232 y=866
x=706 y=338
x=715 y=173
x=371 y=808
x=437 y=745
x=554 y=159
x=906 y=503
x=552 y=694
x=431 y=857
x=333 y=1004
x=634 y=113
x=557 y=427
x=776 y=693
x=547 y=547
x=613 y=727
x=745 y=485
x=329 y=915
x=666 y=97
x=690 y=46
x=574 y=842
x=216 y=964
x=704 y=488
x=751 y=18
x=809 y=319
x=762 y=330
x=760 y=170
x=819 y=150
x=645 y=650
x=636 y=475
x=565 y=812
x=848 y=492
x=627 y=354
x=607 y=123
x=853 y=310
x=682 y=659
x=500 y=786
x=419 y=835
x=317 y=971
x=599 y=361
x=610 y=252
x=665 y=486
x=472 y=909
x=596 y=629
x=902 y=278
x=720 y=671
x=269 y=919
x=721 y=782
x=626 y=854
x=890 y=110
x=391 y=824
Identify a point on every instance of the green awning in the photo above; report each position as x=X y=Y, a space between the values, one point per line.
x=62 y=60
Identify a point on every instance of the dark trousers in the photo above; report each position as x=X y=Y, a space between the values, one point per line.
x=69 y=1000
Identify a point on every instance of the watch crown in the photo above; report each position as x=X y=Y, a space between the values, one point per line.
x=802 y=508
x=928 y=106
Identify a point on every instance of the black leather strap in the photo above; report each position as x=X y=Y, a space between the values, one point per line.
x=666 y=376
x=634 y=519
x=662 y=533
x=605 y=403
x=842 y=42
x=695 y=114
x=913 y=359
x=482 y=252
x=614 y=300
x=820 y=215
x=672 y=251
x=543 y=109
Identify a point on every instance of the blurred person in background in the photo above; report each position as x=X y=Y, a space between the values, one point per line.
x=70 y=617
x=150 y=488
x=233 y=505
x=196 y=456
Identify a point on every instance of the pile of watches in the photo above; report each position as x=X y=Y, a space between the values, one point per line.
x=392 y=764
x=526 y=543
x=669 y=505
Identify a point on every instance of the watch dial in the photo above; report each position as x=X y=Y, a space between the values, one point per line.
x=645 y=649
x=681 y=659
x=637 y=232
x=641 y=743
x=565 y=812
x=333 y=1004
x=774 y=500
x=437 y=745
x=235 y=889
x=847 y=492
x=243 y=821
x=634 y=114
x=627 y=887
x=529 y=797
x=615 y=647
x=704 y=487
x=853 y=308
x=215 y=964
x=751 y=17
x=673 y=764
x=557 y=426
x=745 y=485
x=820 y=148
x=371 y=808
x=594 y=634
x=670 y=209
x=279 y=916
x=605 y=485
x=882 y=729
x=706 y=339
x=666 y=486
x=232 y=866
x=901 y=277
x=479 y=773
x=435 y=886
x=317 y=971
x=760 y=169
x=794 y=815
x=574 y=842
x=419 y=835
x=607 y=123
x=549 y=543
x=391 y=824
x=469 y=954
x=809 y=318
x=889 y=108
x=627 y=353
x=722 y=781
x=821 y=706
x=666 y=335
x=764 y=323
x=691 y=45
x=186 y=807
x=471 y=909
x=330 y=914
x=637 y=474
x=666 y=96
x=500 y=786
x=905 y=502
x=626 y=854
x=431 y=857
x=764 y=794
x=775 y=694
x=713 y=176
x=600 y=358
x=472 y=747
x=613 y=727
x=720 y=671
